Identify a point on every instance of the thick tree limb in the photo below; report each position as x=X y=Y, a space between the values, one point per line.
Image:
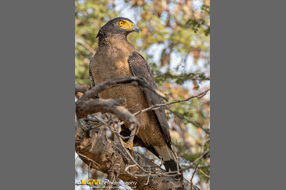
x=97 y=150
x=81 y=88
x=135 y=81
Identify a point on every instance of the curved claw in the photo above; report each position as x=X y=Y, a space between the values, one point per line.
x=129 y=145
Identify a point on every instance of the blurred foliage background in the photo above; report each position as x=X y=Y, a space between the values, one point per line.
x=174 y=39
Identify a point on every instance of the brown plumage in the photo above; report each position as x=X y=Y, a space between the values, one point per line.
x=117 y=58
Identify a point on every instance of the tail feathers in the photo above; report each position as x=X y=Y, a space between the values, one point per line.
x=171 y=165
x=170 y=160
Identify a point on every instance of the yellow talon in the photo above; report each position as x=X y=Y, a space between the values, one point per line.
x=128 y=145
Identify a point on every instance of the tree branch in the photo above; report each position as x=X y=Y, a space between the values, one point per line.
x=97 y=150
x=135 y=81
x=153 y=107
x=81 y=88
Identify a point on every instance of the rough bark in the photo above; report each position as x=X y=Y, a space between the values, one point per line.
x=102 y=154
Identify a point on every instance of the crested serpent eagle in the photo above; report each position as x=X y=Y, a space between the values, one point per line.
x=117 y=58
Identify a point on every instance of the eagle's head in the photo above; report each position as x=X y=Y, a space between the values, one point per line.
x=119 y=26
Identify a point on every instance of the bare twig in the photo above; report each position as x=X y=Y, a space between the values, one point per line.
x=81 y=42
x=200 y=95
x=97 y=166
x=191 y=180
x=203 y=173
x=202 y=155
x=178 y=168
x=195 y=124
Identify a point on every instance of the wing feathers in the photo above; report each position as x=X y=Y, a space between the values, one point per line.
x=140 y=68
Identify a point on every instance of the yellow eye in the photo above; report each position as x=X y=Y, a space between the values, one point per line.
x=121 y=23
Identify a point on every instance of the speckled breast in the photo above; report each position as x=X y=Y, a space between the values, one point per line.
x=104 y=70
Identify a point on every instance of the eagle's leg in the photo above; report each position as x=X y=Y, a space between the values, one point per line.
x=129 y=143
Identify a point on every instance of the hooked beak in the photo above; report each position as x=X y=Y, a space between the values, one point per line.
x=135 y=29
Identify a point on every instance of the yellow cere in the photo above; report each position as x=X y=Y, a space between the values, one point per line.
x=125 y=24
